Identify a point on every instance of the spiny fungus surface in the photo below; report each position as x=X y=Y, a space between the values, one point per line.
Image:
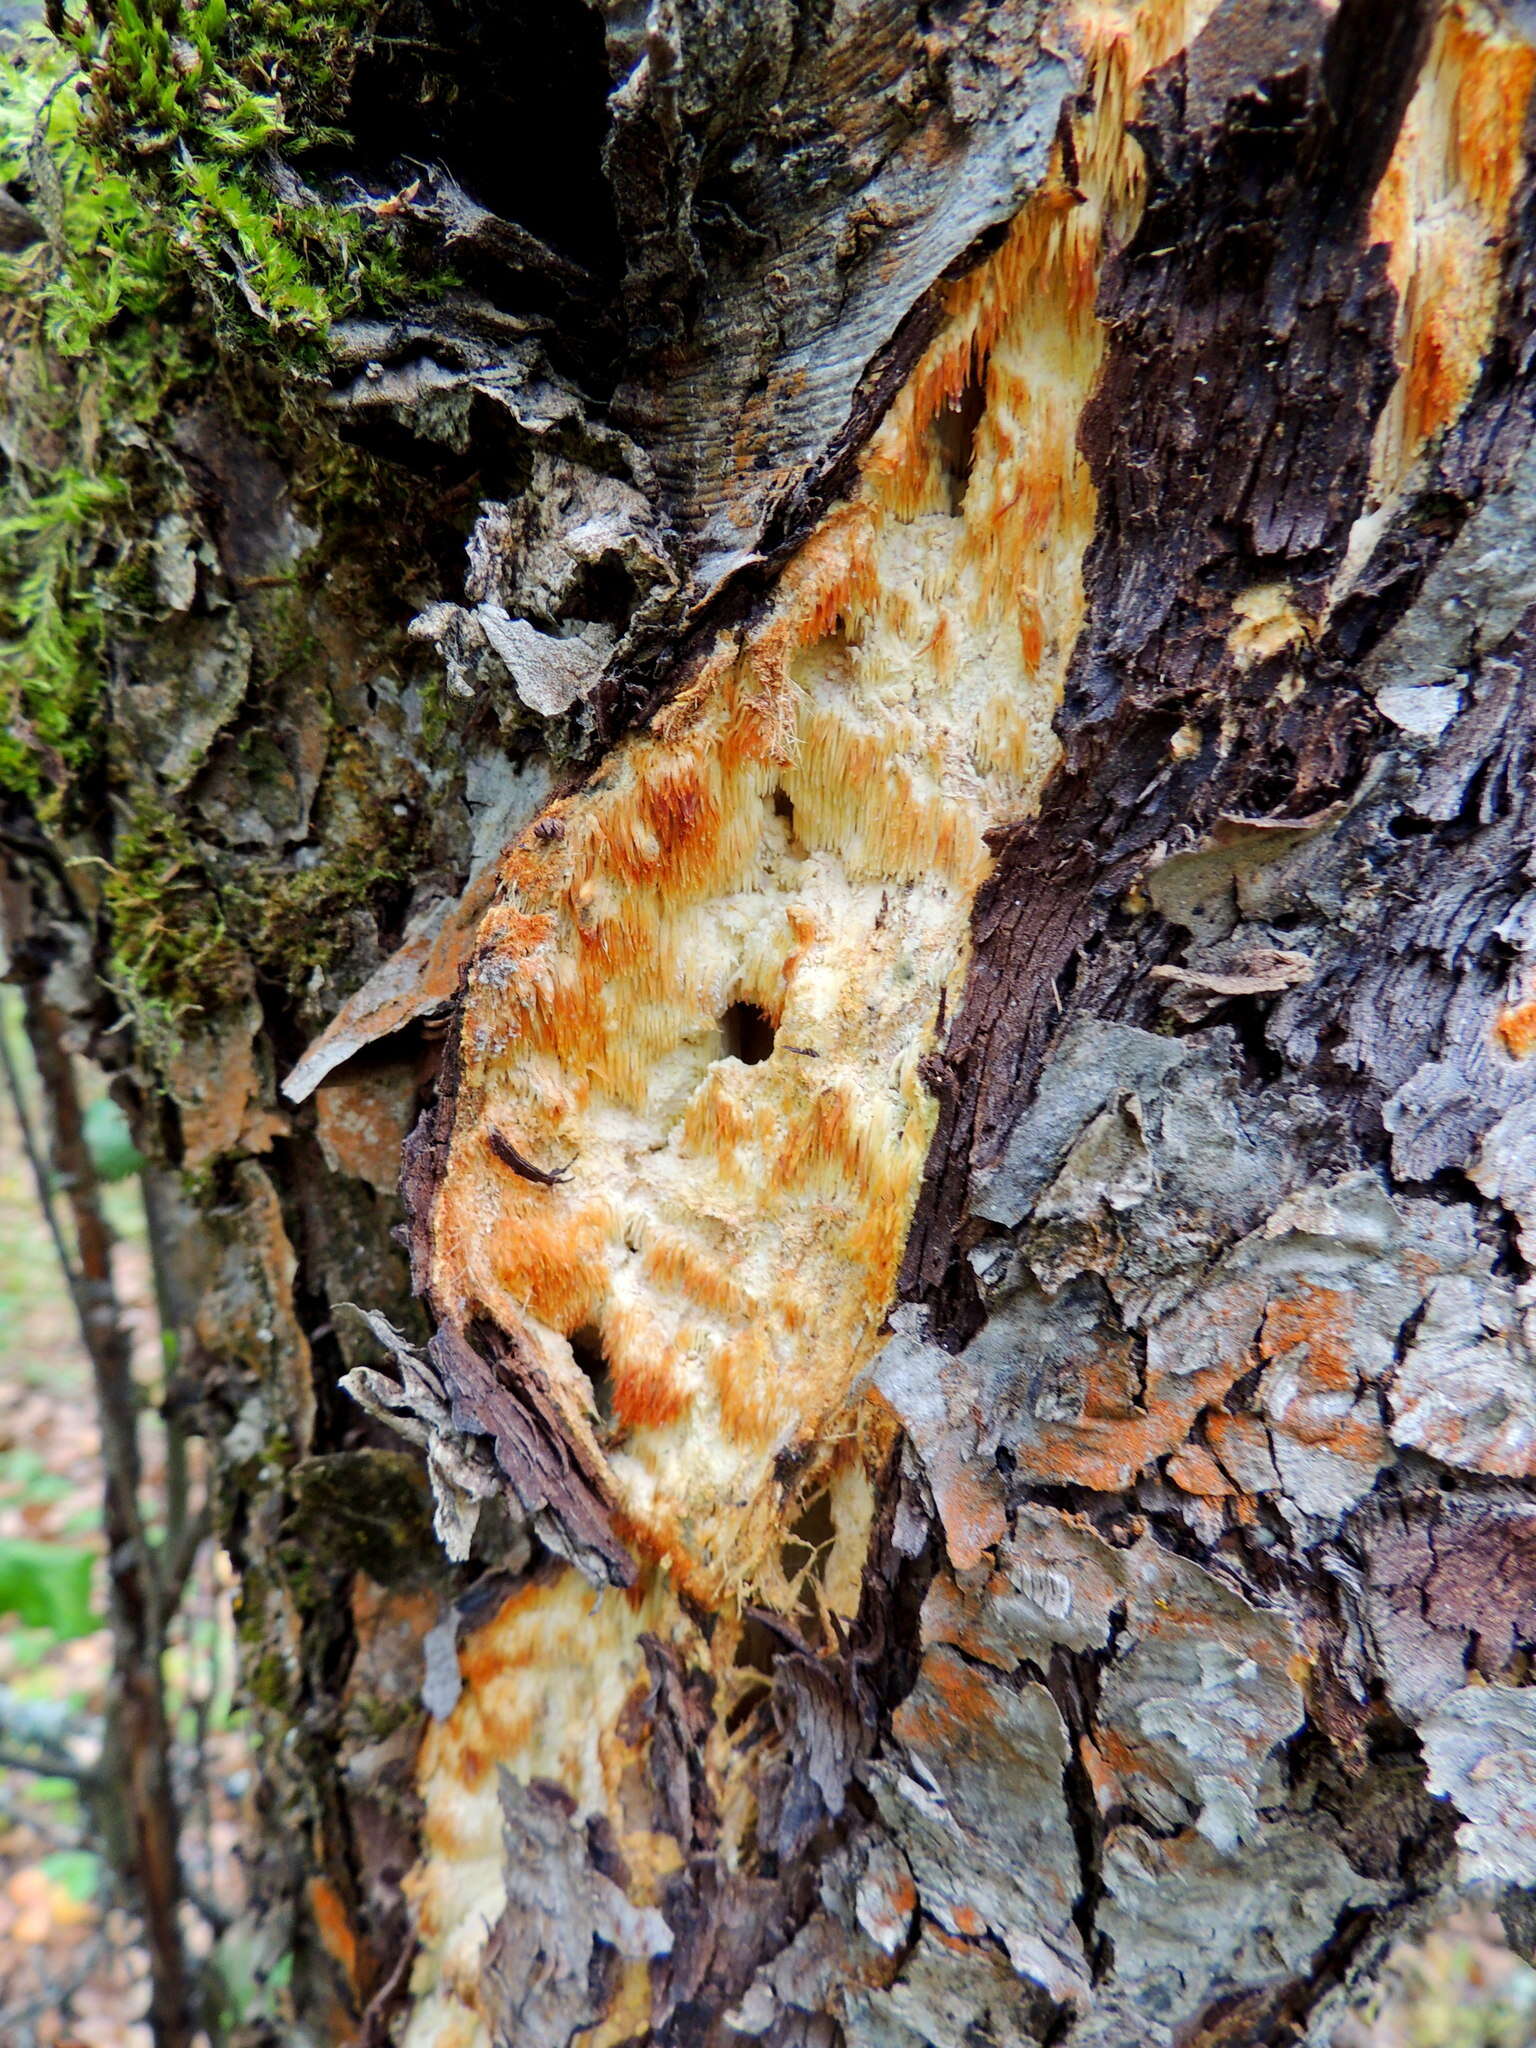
x=691 y=1122
x=545 y=1687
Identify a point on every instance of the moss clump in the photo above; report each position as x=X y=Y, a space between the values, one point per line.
x=300 y=922
x=51 y=540
x=144 y=137
x=295 y=922
x=91 y=362
x=196 y=96
x=184 y=940
x=369 y=1511
x=172 y=953
x=100 y=261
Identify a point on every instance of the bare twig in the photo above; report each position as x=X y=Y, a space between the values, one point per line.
x=84 y=1775
x=136 y=1764
x=160 y=1229
x=39 y=1169
x=179 y=1554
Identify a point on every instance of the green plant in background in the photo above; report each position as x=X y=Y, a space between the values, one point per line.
x=48 y=1585
x=113 y=1153
x=78 y=1871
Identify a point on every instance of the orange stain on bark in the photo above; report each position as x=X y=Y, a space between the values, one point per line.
x=334 y=1926
x=1443 y=208
x=803 y=830
x=1516 y=1029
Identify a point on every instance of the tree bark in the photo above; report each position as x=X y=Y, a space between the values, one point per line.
x=934 y=1444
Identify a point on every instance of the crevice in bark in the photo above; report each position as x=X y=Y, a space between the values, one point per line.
x=514 y=105
x=1074 y=1683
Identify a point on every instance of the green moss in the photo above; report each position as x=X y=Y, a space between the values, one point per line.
x=295 y=921
x=375 y=1719
x=436 y=716
x=300 y=922
x=266 y=1680
x=102 y=259
x=51 y=536
x=195 y=95
x=369 y=1511
x=172 y=954
x=173 y=242
x=183 y=940
x=91 y=361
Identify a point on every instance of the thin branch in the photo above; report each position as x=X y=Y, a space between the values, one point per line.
x=136 y=1783
x=172 y=1310
x=85 y=1775
x=40 y=1176
x=178 y=1554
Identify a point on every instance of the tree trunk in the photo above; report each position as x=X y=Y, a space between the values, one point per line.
x=948 y=909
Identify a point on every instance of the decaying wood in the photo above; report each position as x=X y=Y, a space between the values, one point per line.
x=964 y=983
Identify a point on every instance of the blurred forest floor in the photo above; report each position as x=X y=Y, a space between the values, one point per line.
x=72 y=1972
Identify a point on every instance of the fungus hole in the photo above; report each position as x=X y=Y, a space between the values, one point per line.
x=781 y=806
x=748 y=1034
x=587 y=1350
x=810 y=1536
x=954 y=431
x=803 y=1556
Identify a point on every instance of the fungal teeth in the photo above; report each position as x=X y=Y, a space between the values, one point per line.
x=636 y=980
x=803 y=830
